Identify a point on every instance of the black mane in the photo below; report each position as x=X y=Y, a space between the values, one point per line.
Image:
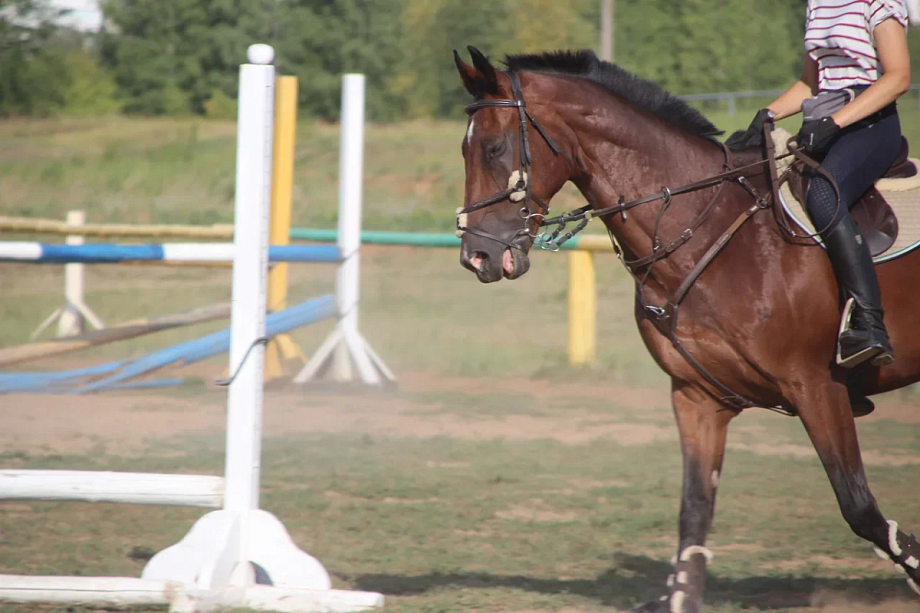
x=644 y=94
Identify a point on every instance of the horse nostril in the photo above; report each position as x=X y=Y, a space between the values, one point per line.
x=479 y=260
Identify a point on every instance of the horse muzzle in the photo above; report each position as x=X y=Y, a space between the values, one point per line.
x=492 y=261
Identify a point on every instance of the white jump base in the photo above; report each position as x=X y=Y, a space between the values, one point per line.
x=239 y=555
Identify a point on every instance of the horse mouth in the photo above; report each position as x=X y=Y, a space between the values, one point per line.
x=514 y=263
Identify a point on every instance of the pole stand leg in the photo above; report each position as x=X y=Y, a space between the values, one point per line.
x=206 y=556
x=342 y=354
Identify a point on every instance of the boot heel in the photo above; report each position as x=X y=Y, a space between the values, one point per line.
x=882 y=359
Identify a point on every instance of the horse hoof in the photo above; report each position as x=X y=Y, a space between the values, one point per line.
x=667 y=604
x=654 y=606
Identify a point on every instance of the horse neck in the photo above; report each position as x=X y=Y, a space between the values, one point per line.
x=625 y=151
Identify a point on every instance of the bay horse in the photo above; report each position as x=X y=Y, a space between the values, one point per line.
x=758 y=314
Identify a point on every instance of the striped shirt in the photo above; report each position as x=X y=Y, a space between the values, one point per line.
x=839 y=37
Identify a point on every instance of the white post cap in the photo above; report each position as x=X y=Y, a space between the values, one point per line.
x=260 y=54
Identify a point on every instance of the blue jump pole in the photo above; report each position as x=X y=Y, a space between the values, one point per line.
x=106 y=253
x=115 y=375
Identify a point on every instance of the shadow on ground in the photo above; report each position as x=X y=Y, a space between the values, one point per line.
x=636 y=579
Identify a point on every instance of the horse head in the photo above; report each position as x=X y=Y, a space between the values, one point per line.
x=505 y=198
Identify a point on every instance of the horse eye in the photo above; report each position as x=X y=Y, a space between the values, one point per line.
x=495 y=149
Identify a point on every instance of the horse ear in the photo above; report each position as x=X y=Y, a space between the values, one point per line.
x=485 y=69
x=468 y=74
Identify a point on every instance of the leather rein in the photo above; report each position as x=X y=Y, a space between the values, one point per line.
x=665 y=317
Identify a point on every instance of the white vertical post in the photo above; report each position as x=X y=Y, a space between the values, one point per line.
x=72 y=317
x=71 y=321
x=351 y=168
x=250 y=265
x=608 y=9
x=345 y=347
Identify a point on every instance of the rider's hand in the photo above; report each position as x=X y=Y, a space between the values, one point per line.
x=753 y=136
x=815 y=136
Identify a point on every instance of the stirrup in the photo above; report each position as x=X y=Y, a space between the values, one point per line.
x=869 y=353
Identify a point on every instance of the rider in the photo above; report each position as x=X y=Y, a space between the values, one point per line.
x=856 y=66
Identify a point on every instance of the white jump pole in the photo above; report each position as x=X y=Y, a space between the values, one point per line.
x=101 y=486
x=345 y=347
x=239 y=556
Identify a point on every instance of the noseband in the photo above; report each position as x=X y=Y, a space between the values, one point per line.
x=520 y=184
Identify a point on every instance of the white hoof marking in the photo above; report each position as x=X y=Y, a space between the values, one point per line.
x=677 y=602
x=880 y=553
x=692 y=550
x=893 y=537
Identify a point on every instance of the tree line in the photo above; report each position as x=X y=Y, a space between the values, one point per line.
x=178 y=57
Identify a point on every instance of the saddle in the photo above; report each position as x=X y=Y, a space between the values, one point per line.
x=874 y=216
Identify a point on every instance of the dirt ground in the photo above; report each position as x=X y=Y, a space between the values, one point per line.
x=127 y=422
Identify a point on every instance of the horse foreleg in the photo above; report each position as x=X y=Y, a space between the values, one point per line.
x=703 y=424
x=826 y=414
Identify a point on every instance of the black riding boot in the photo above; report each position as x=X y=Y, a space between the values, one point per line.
x=865 y=337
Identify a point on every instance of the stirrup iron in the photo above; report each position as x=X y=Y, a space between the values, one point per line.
x=859 y=356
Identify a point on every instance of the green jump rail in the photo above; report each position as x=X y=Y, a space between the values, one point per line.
x=589 y=242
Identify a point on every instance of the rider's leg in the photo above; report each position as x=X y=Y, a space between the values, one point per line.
x=856 y=160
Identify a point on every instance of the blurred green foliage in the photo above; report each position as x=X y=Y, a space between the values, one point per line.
x=176 y=57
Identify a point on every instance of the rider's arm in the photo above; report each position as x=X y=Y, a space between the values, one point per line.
x=790 y=102
x=891 y=42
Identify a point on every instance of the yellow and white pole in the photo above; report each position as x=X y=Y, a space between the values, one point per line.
x=282 y=347
x=582 y=308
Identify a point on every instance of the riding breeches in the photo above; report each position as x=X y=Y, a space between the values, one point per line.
x=857 y=157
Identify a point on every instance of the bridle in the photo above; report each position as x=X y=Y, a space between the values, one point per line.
x=663 y=317
x=520 y=188
x=520 y=185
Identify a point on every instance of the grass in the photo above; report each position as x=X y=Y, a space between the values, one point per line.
x=452 y=524
x=130 y=170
